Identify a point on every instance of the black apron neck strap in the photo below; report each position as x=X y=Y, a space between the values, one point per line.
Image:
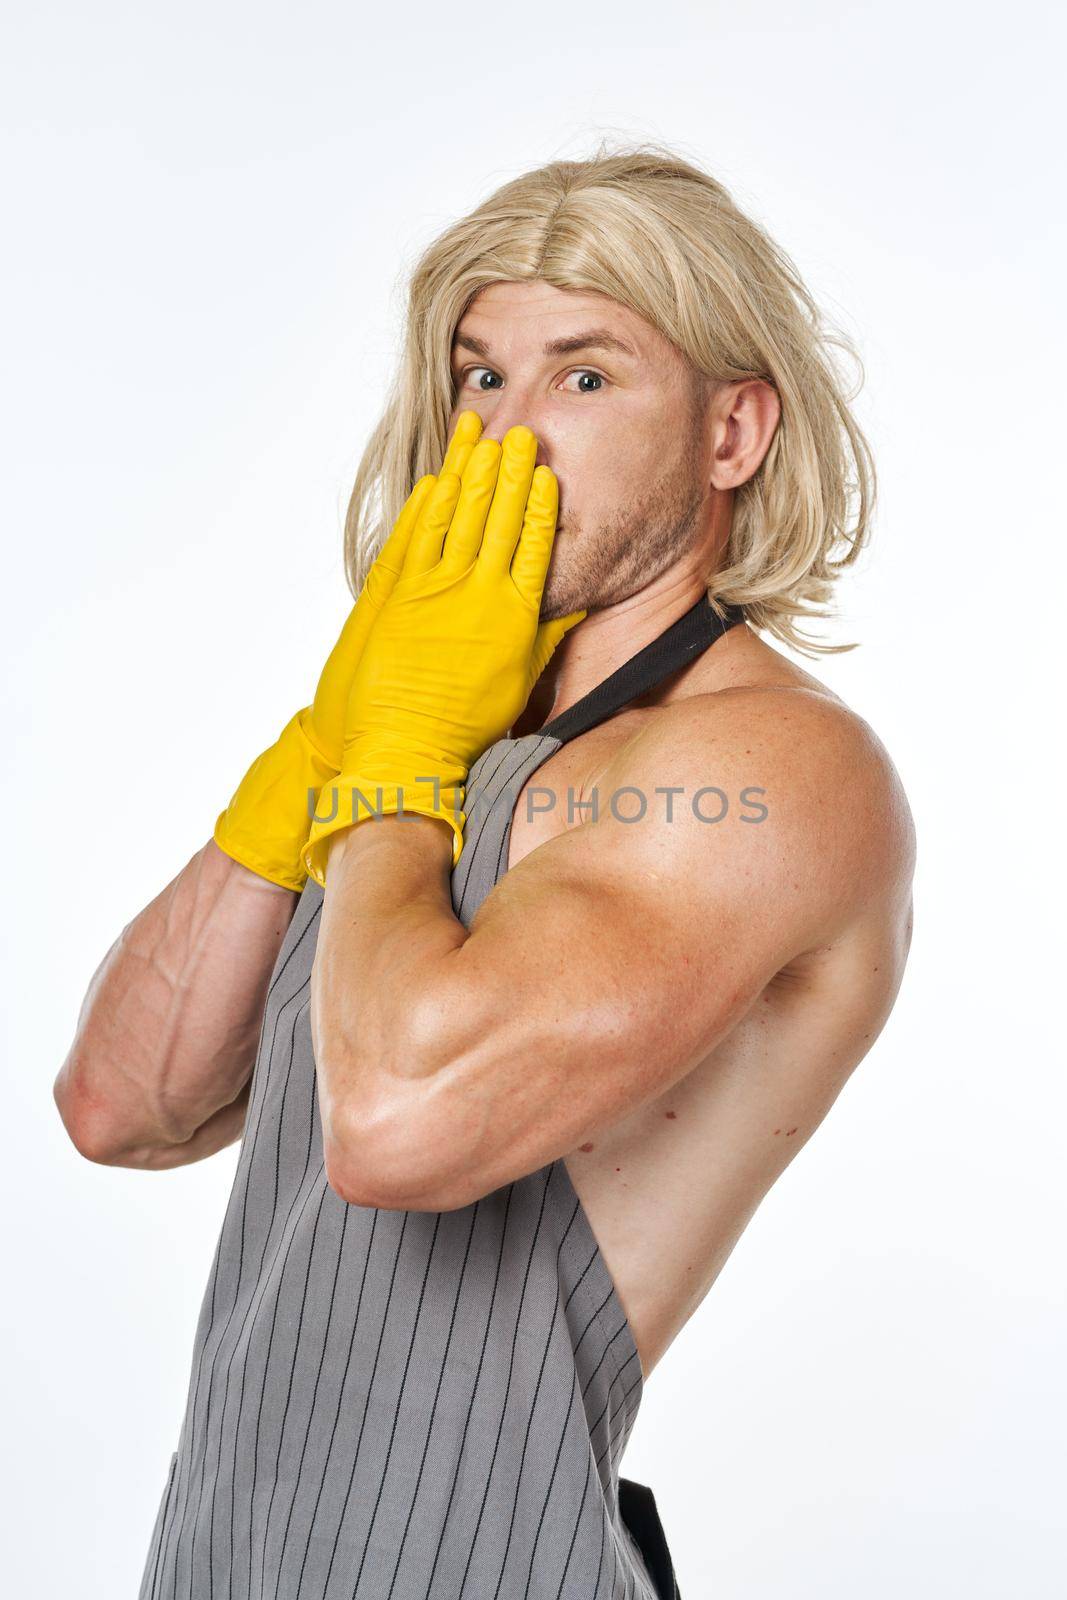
x=688 y=637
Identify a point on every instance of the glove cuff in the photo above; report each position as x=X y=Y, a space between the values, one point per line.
x=266 y=824
x=352 y=798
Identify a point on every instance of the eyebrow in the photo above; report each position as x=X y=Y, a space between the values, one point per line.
x=591 y=339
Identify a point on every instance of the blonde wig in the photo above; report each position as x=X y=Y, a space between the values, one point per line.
x=657 y=234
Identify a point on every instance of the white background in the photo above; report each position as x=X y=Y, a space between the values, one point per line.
x=209 y=215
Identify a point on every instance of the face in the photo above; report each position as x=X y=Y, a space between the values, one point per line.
x=619 y=418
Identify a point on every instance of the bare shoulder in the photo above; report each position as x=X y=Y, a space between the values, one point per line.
x=785 y=790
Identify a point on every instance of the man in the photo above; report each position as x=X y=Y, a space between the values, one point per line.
x=599 y=901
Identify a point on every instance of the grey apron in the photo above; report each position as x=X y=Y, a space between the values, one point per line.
x=403 y=1405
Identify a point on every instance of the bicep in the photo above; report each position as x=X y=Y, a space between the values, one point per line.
x=645 y=934
x=751 y=842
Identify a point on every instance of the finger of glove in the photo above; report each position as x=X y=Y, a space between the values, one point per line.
x=427 y=540
x=529 y=566
x=325 y=725
x=390 y=562
x=464 y=437
x=503 y=525
x=464 y=537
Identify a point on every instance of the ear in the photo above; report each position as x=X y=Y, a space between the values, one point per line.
x=744 y=416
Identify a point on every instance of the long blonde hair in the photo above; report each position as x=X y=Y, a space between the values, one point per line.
x=655 y=233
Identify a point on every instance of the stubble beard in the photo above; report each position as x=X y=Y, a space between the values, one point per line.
x=634 y=544
x=598 y=567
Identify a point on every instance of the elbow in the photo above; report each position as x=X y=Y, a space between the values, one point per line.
x=101 y=1129
x=381 y=1097
x=359 y=1123
x=85 y=1127
x=371 y=1160
x=353 y=1149
x=391 y=1143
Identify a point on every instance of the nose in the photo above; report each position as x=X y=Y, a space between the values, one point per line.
x=512 y=409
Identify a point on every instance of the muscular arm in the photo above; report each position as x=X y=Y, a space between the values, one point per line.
x=158 y=1073
x=600 y=970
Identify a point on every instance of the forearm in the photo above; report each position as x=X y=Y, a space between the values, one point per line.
x=445 y=671
x=432 y=1041
x=385 y=943
x=223 y=1127
x=167 y=1035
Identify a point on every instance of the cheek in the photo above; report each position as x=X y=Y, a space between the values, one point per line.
x=623 y=442
x=596 y=472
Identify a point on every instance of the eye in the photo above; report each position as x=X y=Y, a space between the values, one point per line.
x=587 y=372
x=485 y=387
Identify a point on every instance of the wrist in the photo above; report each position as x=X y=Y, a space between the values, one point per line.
x=266 y=823
x=354 y=798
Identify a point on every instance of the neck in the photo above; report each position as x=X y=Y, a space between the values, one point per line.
x=602 y=641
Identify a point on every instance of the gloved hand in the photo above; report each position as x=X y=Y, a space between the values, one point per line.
x=266 y=824
x=456 y=650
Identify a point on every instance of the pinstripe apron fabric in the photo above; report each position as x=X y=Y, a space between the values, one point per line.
x=391 y=1405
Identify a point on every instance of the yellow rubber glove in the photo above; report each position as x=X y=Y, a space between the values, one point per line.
x=265 y=826
x=451 y=660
